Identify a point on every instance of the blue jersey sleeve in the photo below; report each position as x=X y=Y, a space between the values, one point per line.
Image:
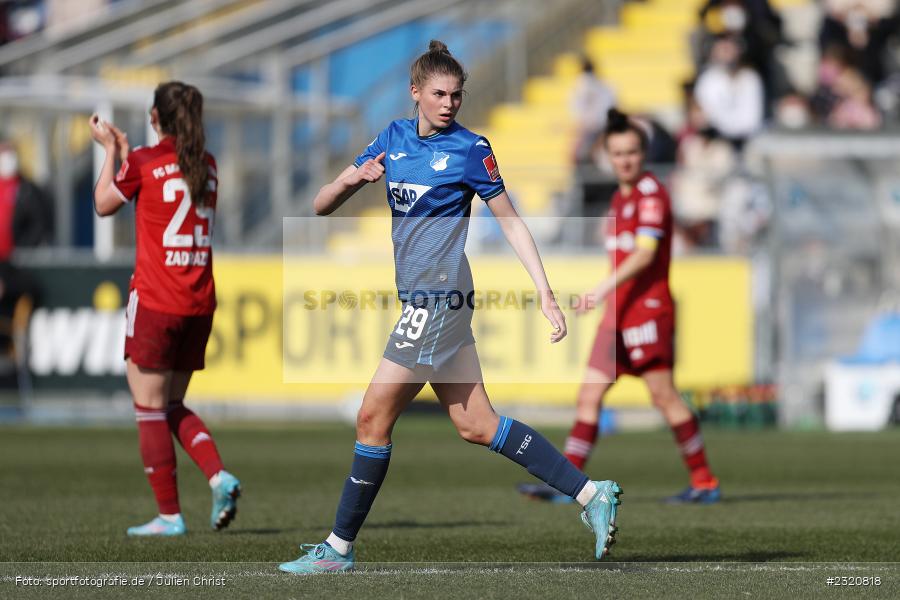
x=482 y=172
x=375 y=147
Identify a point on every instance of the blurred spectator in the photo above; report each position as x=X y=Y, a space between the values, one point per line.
x=863 y=28
x=705 y=161
x=833 y=62
x=25 y=220
x=793 y=112
x=843 y=98
x=20 y=18
x=26 y=213
x=591 y=100
x=854 y=108
x=730 y=93
x=661 y=146
x=758 y=27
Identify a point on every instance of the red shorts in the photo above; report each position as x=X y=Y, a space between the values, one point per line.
x=156 y=340
x=641 y=345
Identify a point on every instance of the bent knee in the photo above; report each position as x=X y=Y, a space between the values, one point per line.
x=371 y=427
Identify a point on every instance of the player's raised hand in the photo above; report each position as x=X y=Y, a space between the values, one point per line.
x=556 y=317
x=371 y=170
x=101 y=132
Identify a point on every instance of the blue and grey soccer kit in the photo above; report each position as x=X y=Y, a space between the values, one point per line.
x=430 y=184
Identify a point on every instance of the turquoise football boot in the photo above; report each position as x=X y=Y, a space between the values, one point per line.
x=159 y=526
x=224 y=500
x=600 y=516
x=319 y=558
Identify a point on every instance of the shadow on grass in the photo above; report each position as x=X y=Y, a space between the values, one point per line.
x=727 y=498
x=753 y=556
x=258 y=531
x=791 y=496
x=434 y=525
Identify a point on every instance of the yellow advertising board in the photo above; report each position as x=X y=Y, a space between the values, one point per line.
x=312 y=329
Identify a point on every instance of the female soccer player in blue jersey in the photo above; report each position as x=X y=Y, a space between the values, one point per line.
x=433 y=168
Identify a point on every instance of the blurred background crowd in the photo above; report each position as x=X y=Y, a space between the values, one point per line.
x=773 y=122
x=741 y=67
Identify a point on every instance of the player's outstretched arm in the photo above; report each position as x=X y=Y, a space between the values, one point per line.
x=106 y=200
x=518 y=236
x=351 y=180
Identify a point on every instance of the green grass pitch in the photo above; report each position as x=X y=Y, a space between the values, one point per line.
x=799 y=508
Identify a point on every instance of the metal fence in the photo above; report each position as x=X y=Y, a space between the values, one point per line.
x=828 y=259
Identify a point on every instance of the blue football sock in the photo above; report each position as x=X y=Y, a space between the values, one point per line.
x=370 y=465
x=522 y=444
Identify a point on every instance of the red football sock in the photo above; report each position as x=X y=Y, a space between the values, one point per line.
x=580 y=443
x=194 y=437
x=693 y=451
x=158 y=454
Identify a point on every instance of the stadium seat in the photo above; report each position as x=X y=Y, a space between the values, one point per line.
x=645 y=58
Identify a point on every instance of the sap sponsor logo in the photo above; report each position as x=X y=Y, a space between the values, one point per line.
x=524 y=445
x=405 y=195
x=439 y=161
x=65 y=341
x=640 y=335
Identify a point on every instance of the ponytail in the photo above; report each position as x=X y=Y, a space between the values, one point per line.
x=619 y=122
x=180 y=109
x=437 y=60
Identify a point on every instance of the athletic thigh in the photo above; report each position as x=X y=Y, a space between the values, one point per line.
x=391 y=390
x=465 y=399
x=150 y=388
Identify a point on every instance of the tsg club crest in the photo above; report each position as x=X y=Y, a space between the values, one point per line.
x=439 y=161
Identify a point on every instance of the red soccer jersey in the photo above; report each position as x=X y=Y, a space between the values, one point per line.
x=173 y=265
x=646 y=210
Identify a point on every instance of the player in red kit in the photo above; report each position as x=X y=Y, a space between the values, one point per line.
x=172 y=297
x=637 y=333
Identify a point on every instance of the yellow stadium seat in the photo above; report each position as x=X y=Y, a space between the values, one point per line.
x=548 y=90
x=635 y=16
x=567 y=66
x=602 y=40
